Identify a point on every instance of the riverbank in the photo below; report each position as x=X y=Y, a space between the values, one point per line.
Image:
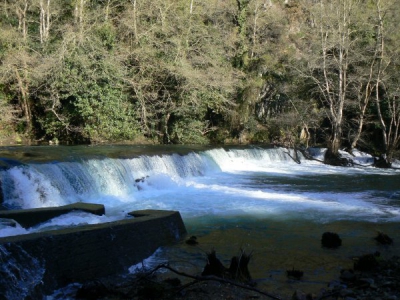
x=367 y=274
x=382 y=282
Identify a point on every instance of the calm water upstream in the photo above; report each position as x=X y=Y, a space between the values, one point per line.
x=256 y=199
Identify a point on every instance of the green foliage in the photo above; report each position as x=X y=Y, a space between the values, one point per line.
x=107 y=36
x=261 y=137
x=219 y=71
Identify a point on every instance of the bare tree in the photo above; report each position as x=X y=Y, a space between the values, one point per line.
x=329 y=62
x=21 y=10
x=387 y=91
x=44 y=24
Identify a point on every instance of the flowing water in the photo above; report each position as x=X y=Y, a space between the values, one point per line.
x=255 y=199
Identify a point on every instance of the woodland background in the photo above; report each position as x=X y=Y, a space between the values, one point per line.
x=288 y=72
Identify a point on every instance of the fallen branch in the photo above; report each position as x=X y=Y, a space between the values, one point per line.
x=296 y=158
x=212 y=278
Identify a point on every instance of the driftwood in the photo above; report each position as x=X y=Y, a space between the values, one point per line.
x=198 y=279
x=238 y=269
x=296 y=157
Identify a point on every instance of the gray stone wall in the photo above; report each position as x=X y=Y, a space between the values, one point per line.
x=89 y=252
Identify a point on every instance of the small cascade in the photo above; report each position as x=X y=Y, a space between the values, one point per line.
x=250 y=159
x=33 y=185
x=20 y=274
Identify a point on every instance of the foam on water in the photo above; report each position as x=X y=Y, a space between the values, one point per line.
x=253 y=181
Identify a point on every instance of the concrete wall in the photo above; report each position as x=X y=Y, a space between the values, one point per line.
x=31 y=217
x=88 y=252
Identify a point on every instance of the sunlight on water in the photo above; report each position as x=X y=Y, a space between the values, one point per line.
x=253 y=181
x=252 y=198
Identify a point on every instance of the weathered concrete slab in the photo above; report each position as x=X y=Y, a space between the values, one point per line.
x=31 y=217
x=90 y=252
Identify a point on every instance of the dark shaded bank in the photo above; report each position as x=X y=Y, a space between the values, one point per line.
x=371 y=277
x=35 y=264
x=382 y=282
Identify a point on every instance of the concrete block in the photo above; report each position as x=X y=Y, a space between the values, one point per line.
x=31 y=217
x=89 y=252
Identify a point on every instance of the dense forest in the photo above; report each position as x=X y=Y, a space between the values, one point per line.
x=288 y=72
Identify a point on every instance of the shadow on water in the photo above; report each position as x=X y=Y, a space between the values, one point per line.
x=281 y=245
x=26 y=154
x=288 y=206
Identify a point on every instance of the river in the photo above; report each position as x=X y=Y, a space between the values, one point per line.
x=252 y=198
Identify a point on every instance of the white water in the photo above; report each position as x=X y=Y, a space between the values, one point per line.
x=250 y=182
x=254 y=198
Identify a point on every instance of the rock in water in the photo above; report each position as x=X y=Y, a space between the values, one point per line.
x=192 y=241
x=331 y=240
x=296 y=274
x=383 y=239
x=366 y=262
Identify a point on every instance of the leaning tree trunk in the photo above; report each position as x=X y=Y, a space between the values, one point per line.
x=332 y=155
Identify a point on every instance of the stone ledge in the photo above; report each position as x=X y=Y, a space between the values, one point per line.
x=89 y=252
x=34 y=216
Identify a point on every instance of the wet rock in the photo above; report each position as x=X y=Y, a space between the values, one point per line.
x=366 y=262
x=139 y=181
x=7 y=223
x=346 y=293
x=383 y=239
x=382 y=162
x=142 y=179
x=299 y=295
x=331 y=240
x=192 y=241
x=92 y=291
x=347 y=275
x=296 y=274
x=173 y=281
x=152 y=290
x=336 y=159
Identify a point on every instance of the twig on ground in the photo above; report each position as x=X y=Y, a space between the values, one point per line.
x=212 y=278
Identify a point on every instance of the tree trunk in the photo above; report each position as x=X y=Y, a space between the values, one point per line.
x=79 y=14
x=21 y=13
x=24 y=101
x=44 y=25
x=135 y=30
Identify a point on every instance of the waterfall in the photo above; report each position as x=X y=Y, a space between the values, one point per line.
x=56 y=183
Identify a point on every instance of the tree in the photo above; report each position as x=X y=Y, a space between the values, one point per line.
x=329 y=63
x=18 y=60
x=386 y=86
x=178 y=74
